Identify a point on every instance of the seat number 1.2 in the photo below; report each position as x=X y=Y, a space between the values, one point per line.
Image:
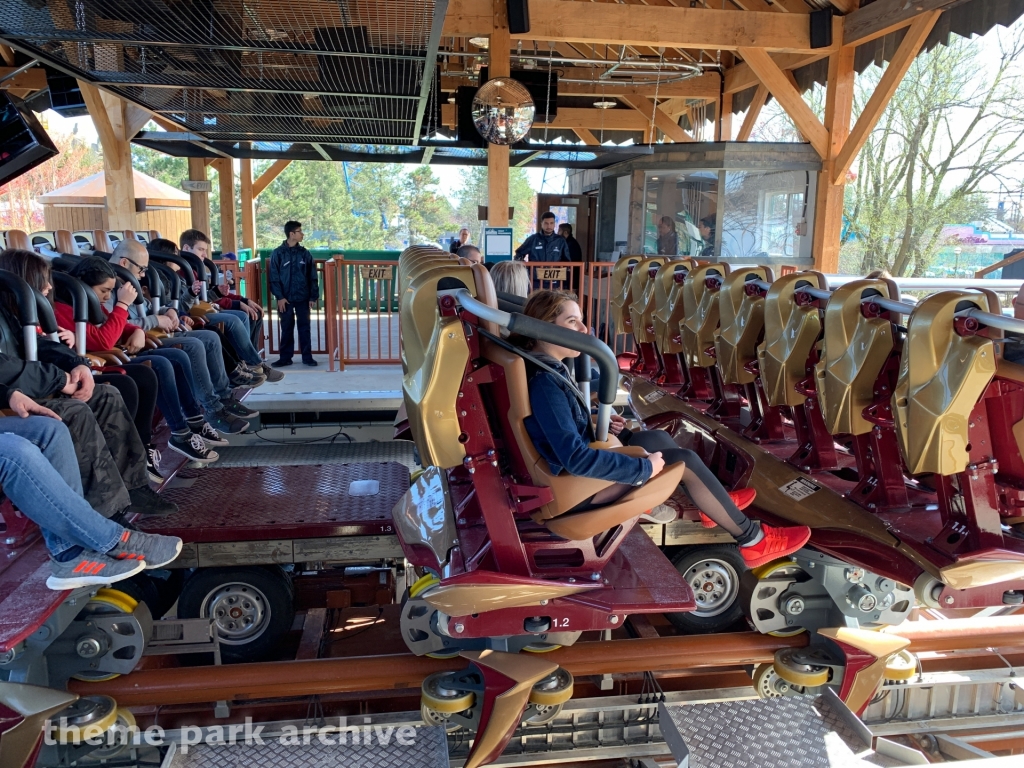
x=560 y=623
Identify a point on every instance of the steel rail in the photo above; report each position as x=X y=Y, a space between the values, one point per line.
x=282 y=679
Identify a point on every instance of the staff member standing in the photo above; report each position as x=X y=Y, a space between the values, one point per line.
x=293 y=283
x=545 y=245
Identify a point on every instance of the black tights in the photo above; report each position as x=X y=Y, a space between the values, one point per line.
x=138 y=388
x=700 y=482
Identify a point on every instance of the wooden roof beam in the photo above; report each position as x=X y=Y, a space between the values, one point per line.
x=641 y=25
x=884 y=91
x=753 y=112
x=590 y=139
x=789 y=97
x=268 y=176
x=662 y=121
x=884 y=16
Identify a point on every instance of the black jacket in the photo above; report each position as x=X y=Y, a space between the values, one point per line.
x=36 y=380
x=49 y=351
x=293 y=274
x=575 y=250
x=541 y=248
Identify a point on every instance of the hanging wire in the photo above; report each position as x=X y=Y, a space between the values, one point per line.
x=547 y=97
x=657 y=85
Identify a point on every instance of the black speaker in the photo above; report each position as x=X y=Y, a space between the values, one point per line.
x=65 y=95
x=545 y=99
x=821 y=28
x=465 y=131
x=518 y=16
x=23 y=142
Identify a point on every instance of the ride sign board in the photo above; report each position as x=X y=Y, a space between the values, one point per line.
x=497 y=243
x=375 y=272
x=551 y=273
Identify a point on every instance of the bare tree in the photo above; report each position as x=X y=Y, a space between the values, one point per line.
x=954 y=127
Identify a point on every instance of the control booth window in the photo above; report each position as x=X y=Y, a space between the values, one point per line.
x=680 y=209
x=764 y=214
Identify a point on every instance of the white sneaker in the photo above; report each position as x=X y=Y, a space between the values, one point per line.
x=661 y=514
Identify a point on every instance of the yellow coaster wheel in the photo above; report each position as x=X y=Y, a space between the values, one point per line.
x=424 y=584
x=438 y=701
x=797 y=667
x=900 y=667
x=786 y=567
x=90 y=717
x=107 y=600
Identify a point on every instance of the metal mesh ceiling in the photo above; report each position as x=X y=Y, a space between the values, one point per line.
x=327 y=71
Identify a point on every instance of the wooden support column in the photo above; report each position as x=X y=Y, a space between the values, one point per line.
x=725 y=118
x=199 y=201
x=497 y=155
x=248 y=205
x=637 y=192
x=828 y=210
x=226 y=179
x=113 y=126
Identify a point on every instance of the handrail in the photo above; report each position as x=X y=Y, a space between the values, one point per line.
x=1001 y=322
x=900 y=307
x=549 y=332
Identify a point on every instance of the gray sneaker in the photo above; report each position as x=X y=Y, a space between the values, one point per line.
x=91 y=569
x=272 y=374
x=224 y=421
x=236 y=408
x=153 y=550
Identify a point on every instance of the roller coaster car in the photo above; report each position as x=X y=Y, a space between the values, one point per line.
x=514 y=557
x=938 y=408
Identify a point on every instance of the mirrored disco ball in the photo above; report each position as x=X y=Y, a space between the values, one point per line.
x=503 y=111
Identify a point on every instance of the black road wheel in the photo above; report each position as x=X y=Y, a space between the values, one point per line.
x=713 y=573
x=251 y=608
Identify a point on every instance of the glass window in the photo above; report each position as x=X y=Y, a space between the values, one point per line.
x=763 y=211
x=679 y=212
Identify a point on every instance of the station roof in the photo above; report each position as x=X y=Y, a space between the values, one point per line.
x=376 y=80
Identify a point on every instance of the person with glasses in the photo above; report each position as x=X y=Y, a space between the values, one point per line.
x=212 y=386
x=293 y=283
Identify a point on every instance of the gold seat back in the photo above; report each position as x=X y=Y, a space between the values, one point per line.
x=668 y=298
x=641 y=308
x=854 y=350
x=700 y=314
x=622 y=294
x=942 y=377
x=741 y=324
x=791 y=330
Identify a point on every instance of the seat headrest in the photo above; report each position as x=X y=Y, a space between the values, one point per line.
x=101 y=242
x=65 y=242
x=17 y=239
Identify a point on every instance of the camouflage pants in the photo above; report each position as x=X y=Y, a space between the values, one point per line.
x=111 y=457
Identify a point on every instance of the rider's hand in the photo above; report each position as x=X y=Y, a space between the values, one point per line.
x=127 y=294
x=24 y=406
x=657 y=464
x=617 y=424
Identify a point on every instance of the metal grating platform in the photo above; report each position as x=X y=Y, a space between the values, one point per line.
x=297 y=454
x=788 y=732
x=429 y=749
x=265 y=503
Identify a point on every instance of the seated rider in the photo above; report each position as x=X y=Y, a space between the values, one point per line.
x=39 y=474
x=561 y=431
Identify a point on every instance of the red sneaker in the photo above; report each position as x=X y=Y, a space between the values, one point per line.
x=742 y=498
x=776 y=543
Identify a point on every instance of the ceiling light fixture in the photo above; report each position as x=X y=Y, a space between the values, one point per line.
x=606 y=104
x=480 y=42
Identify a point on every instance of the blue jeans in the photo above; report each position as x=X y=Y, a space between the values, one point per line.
x=204 y=353
x=174 y=397
x=236 y=329
x=31 y=480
